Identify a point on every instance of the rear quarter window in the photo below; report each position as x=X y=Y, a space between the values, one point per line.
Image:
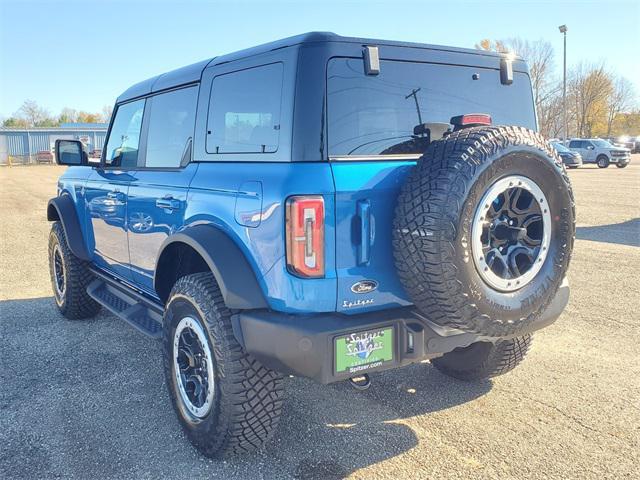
x=376 y=114
x=244 y=111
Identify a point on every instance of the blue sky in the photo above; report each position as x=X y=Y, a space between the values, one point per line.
x=82 y=54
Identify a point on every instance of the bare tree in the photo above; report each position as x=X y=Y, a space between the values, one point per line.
x=550 y=116
x=589 y=88
x=107 y=111
x=539 y=57
x=33 y=114
x=546 y=89
x=68 y=115
x=619 y=100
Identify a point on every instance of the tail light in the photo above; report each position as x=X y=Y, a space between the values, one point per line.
x=470 y=120
x=305 y=236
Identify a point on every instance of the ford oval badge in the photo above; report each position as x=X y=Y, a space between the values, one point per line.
x=364 y=286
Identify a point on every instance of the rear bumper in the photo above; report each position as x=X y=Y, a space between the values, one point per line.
x=303 y=345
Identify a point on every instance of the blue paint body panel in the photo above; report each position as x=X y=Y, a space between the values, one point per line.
x=367 y=189
x=223 y=191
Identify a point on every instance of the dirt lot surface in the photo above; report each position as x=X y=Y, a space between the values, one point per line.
x=86 y=399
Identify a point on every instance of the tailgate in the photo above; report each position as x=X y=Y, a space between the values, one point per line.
x=366 y=195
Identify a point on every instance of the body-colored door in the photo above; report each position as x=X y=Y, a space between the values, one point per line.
x=156 y=208
x=105 y=195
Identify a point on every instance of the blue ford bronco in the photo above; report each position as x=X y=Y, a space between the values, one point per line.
x=320 y=206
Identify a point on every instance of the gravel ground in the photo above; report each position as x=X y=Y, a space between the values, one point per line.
x=86 y=399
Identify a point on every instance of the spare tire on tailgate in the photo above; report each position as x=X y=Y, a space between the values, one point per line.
x=484 y=229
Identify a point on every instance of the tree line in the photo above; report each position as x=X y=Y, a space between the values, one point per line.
x=30 y=115
x=600 y=103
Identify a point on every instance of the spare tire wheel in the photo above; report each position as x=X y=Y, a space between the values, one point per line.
x=484 y=229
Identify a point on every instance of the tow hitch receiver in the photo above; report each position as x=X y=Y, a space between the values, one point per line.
x=361 y=382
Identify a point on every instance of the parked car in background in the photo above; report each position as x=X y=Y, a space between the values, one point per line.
x=600 y=152
x=44 y=156
x=570 y=158
x=632 y=143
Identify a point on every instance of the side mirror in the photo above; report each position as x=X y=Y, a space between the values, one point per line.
x=71 y=152
x=590 y=147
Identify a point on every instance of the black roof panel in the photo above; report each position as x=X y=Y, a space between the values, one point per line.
x=192 y=73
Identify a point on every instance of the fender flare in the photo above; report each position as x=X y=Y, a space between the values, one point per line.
x=63 y=209
x=231 y=269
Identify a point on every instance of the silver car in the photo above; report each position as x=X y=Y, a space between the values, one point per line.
x=600 y=152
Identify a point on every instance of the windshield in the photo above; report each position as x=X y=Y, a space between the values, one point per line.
x=559 y=147
x=601 y=143
x=409 y=104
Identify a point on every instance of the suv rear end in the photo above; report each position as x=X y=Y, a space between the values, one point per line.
x=372 y=147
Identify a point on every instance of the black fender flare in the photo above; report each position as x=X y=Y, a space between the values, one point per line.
x=232 y=271
x=63 y=209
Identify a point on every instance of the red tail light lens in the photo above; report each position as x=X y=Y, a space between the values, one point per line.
x=471 y=120
x=305 y=236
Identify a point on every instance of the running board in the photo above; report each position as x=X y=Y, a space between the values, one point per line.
x=141 y=313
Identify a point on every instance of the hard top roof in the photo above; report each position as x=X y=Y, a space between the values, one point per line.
x=192 y=73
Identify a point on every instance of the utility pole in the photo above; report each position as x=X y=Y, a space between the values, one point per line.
x=414 y=94
x=563 y=30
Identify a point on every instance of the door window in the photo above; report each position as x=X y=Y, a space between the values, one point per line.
x=171 y=123
x=244 y=113
x=124 y=137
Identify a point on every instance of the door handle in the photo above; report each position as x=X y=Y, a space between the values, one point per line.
x=116 y=195
x=168 y=203
x=366 y=231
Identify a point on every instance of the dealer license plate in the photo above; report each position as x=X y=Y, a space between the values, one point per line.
x=362 y=351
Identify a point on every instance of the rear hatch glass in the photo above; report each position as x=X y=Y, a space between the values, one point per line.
x=372 y=146
x=376 y=114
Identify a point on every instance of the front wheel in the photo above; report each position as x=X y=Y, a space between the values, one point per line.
x=483 y=360
x=226 y=401
x=621 y=165
x=70 y=277
x=602 y=161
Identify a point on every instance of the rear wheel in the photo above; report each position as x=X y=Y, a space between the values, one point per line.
x=483 y=360
x=602 y=161
x=70 y=277
x=484 y=230
x=227 y=402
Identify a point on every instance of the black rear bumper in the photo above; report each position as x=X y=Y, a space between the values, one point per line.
x=303 y=345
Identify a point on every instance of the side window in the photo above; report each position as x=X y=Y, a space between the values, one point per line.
x=171 y=123
x=124 y=138
x=575 y=144
x=244 y=111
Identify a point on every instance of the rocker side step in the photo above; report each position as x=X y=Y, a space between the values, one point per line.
x=139 y=312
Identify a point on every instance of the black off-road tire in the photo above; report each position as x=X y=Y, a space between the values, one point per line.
x=72 y=301
x=248 y=397
x=602 y=161
x=433 y=222
x=621 y=165
x=483 y=360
